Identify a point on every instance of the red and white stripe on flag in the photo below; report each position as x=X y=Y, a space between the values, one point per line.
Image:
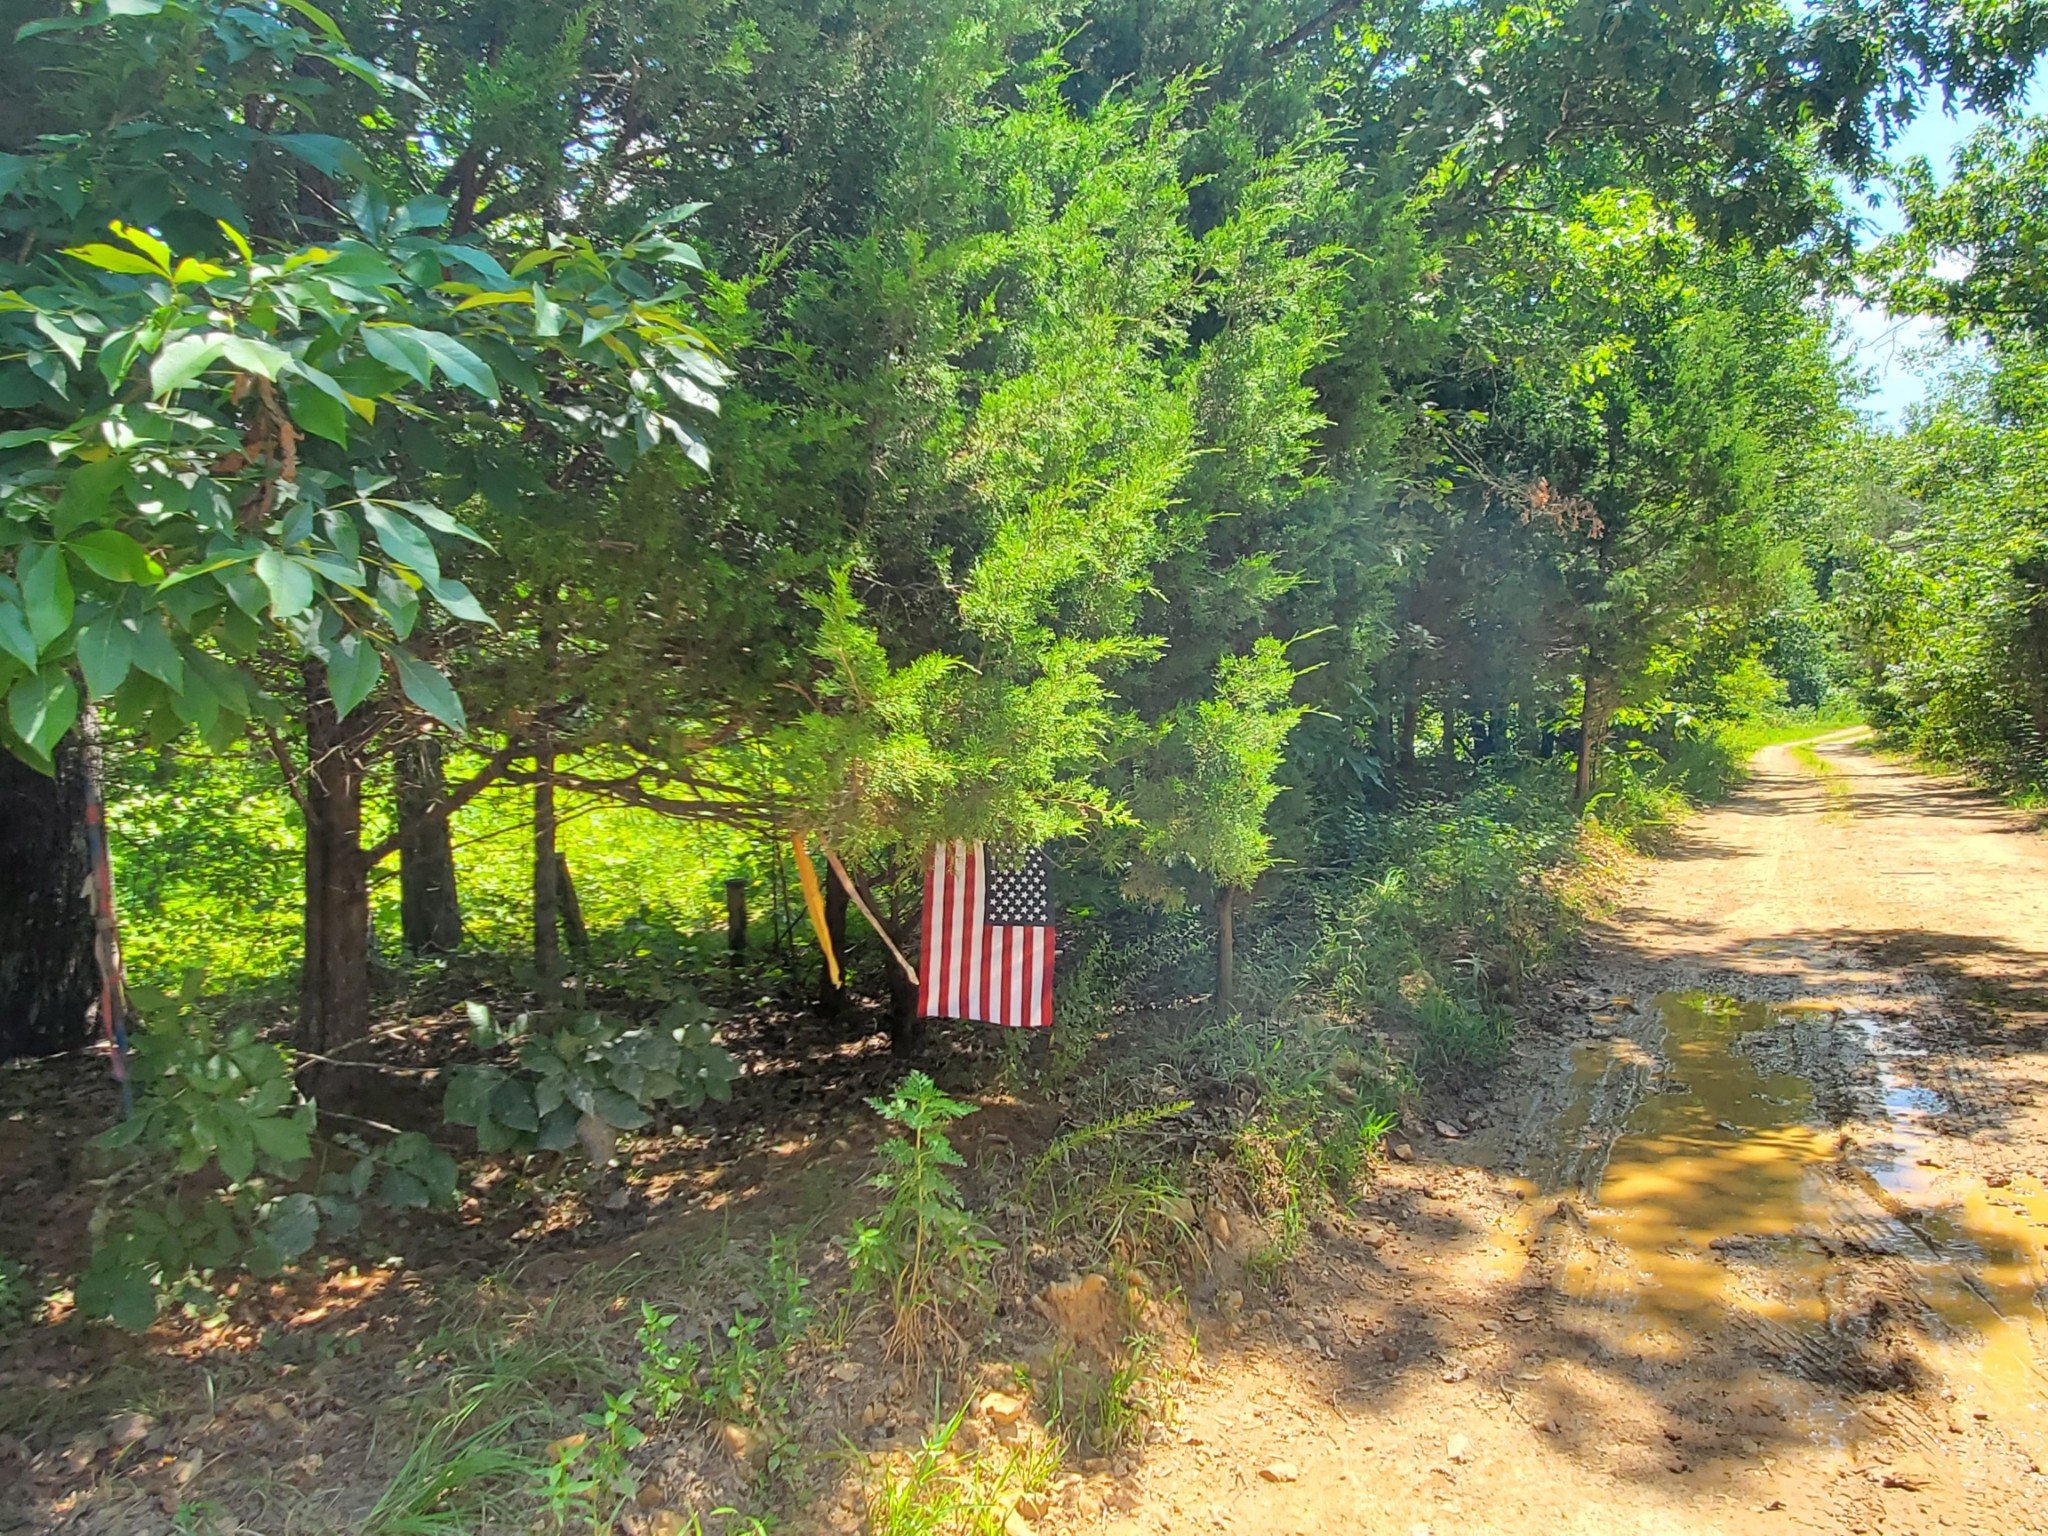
x=980 y=962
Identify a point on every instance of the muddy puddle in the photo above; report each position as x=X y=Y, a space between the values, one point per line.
x=1768 y=1183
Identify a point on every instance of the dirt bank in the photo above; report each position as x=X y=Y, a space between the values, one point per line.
x=1754 y=1242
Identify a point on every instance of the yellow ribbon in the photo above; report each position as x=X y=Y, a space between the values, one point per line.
x=814 y=903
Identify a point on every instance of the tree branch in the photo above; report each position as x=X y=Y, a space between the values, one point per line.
x=441 y=810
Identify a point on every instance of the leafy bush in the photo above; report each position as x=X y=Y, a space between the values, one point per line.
x=217 y=1147
x=586 y=1079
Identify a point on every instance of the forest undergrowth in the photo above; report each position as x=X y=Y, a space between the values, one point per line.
x=701 y=1331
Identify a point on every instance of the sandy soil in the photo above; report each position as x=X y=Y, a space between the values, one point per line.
x=1753 y=1242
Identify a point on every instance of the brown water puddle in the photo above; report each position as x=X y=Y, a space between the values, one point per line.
x=1767 y=1181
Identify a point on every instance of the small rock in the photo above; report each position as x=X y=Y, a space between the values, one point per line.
x=1459 y=1448
x=1522 y=1315
x=1280 y=1472
x=1448 y=1131
x=1032 y=1506
x=1458 y=1372
x=1404 y=1152
x=618 y=1199
x=845 y=1370
x=1217 y=1225
x=740 y=1442
x=1390 y=1351
x=1998 y=1180
x=128 y=1428
x=1015 y=1524
x=1001 y=1408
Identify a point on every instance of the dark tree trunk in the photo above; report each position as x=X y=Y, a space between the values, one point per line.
x=832 y=995
x=1450 y=732
x=1411 y=709
x=573 y=928
x=49 y=979
x=906 y=1025
x=1592 y=730
x=334 y=989
x=1226 y=947
x=547 y=946
x=429 y=904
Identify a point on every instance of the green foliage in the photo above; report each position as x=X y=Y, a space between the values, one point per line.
x=586 y=1079
x=925 y=1248
x=1217 y=771
x=218 y=1138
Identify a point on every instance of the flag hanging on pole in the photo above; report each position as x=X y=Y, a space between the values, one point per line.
x=988 y=946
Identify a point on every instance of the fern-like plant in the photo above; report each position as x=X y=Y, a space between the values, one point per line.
x=925 y=1248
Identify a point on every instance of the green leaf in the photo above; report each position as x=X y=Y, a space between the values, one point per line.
x=42 y=707
x=88 y=495
x=618 y=1110
x=293 y=1225
x=461 y=365
x=402 y=540
x=183 y=361
x=290 y=583
x=113 y=554
x=119 y=1287
x=252 y=356
x=142 y=239
x=106 y=650
x=398 y=347
x=111 y=258
x=318 y=412
x=330 y=156
x=15 y=639
x=318 y=17
x=64 y=336
x=353 y=668
x=236 y=1152
x=157 y=654
x=45 y=592
x=428 y=688
x=282 y=1139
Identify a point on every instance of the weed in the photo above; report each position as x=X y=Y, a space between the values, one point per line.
x=924 y=1247
x=456 y=1478
x=937 y=1493
x=1097 y=1414
x=668 y=1370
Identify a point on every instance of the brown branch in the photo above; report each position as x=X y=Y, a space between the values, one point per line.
x=1309 y=29
x=283 y=755
x=441 y=810
x=853 y=889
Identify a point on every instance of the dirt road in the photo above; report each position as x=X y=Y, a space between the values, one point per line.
x=1753 y=1237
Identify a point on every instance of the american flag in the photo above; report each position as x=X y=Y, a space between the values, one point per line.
x=987 y=936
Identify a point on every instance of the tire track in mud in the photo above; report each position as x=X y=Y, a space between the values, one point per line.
x=1753 y=1243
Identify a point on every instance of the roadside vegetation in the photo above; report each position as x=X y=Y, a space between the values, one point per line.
x=529 y=523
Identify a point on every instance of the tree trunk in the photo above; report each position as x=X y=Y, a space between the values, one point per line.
x=48 y=975
x=831 y=995
x=574 y=929
x=1226 y=947
x=429 y=904
x=1592 y=730
x=547 y=944
x=1411 y=709
x=334 y=989
x=1450 y=733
